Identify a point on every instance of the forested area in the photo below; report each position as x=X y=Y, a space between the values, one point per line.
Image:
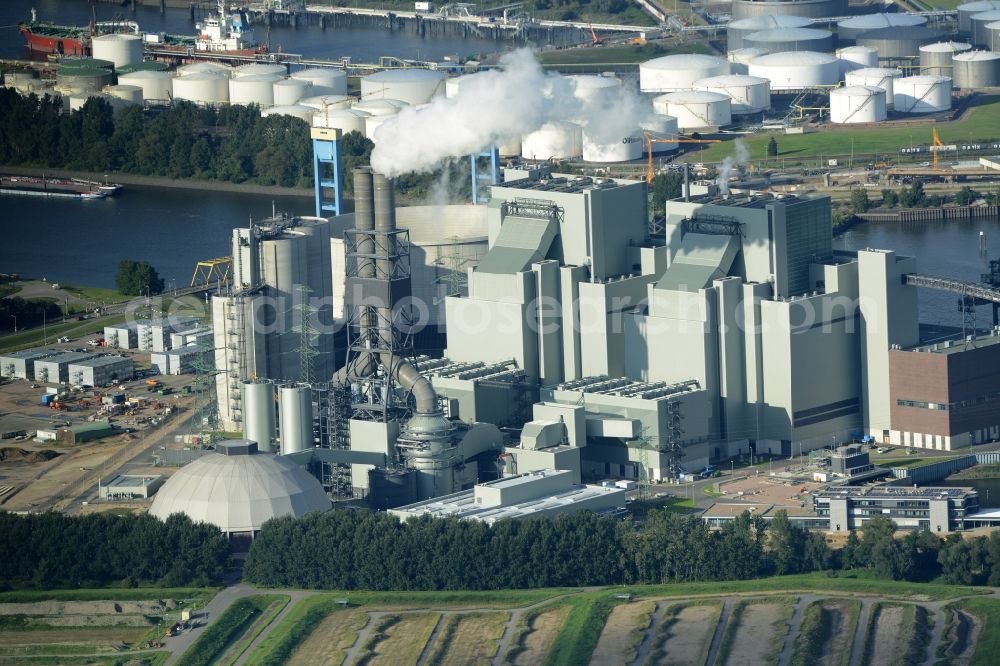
x=52 y=550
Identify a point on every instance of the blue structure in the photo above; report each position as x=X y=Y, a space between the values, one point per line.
x=489 y=177
x=326 y=171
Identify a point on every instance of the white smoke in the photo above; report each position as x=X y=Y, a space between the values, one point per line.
x=494 y=107
x=740 y=159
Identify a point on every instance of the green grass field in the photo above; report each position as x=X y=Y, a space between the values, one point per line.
x=611 y=56
x=988 y=646
x=98 y=294
x=906 y=463
x=198 y=594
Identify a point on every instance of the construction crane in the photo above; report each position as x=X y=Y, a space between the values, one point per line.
x=650 y=140
x=594 y=39
x=937 y=145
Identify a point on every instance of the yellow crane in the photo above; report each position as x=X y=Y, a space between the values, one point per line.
x=650 y=140
x=938 y=144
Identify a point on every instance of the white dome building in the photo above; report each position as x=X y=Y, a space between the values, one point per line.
x=238 y=489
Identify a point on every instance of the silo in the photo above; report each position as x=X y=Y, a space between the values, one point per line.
x=696 y=108
x=857 y=104
x=144 y=66
x=974 y=70
x=258 y=415
x=899 y=42
x=253 y=89
x=296 y=425
x=749 y=94
x=737 y=31
x=85 y=79
x=969 y=9
x=346 y=120
x=156 y=85
x=856 y=57
x=791 y=39
x=324 y=80
x=260 y=69
x=304 y=113
x=598 y=148
x=380 y=107
x=661 y=126
x=878 y=77
x=556 y=140
x=739 y=60
x=992 y=36
x=849 y=29
x=217 y=68
x=119 y=48
x=922 y=94
x=290 y=91
x=131 y=94
x=796 y=70
x=678 y=72
x=980 y=34
x=810 y=8
x=414 y=86
x=202 y=87
x=935 y=59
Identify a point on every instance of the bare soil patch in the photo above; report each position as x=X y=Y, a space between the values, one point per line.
x=758 y=639
x=622 y=633
x=329 y=642
x=690 y=629
x=889 y=632
x=403 y=642
x=538 y=638
x=475 y=639
x=73 y=636
x=841 y=636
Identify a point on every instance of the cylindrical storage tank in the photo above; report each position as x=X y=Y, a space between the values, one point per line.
x=413 y=86
x=258 y=415
x=380 y=107
x=791 y=39
x=857 y=104
x=202 y=87
x=878 y=77
x=969 y=9
x=849 y=29
x=325 y=79
x=327 y=102
x=935 y=59
x=979 y=34
x=737 y=31
x=217 y=68
x=346 y=120
x=856 y=57
x=144 y=66
x=68 y=64
x=86 y=80
x=749 y=94
x=259 y=69
x=595 y=88
x=974 y=70
x=794 y=70
x=922 y=94
x=901 y=42
x=600 y=149
x=454 y=84
x=739 y=60
x=556 y=140
x=696 y=108
x=678 y=72
x=120 y=49
x=77 y=100
x=992 y=36
x=253 y=89
x=296 y=424
x=372 y=123
x=295 y=110
x=810 y=8
x=290 y=91
x=125 y=92
x=661 y=127
x=155 y=85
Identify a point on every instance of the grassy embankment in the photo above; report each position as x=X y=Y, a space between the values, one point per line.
x=237 y=626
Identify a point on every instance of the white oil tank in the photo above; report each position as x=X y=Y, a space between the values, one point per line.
x=922 y=94
x=737 y=31
x=750 y=94
x=936 y=58
x=380 y=107
x=661 y=126
x=258 y=415
x=795 y=70
x=597 y=148
x=253 y=89
x=296 y=424
x=696 y=108
x=880 y=77
x=205 y=68
x=413 y=86
x=121 y=49
x=595 y=88
x=975 y=70
x=556 y=140
x=980 y=34
x=856 y=57
x=346 y=120
x=202 y=88
x=258 y=69
x=155 y=85
x=295 y=110
x=373 y=122
x=969 y=9
x=129 y=93
x=857 y=104
x=739 y=59
x=678 y=72
x=849 y=29
x=324 y=80
x=290 y=91
x=791 y=39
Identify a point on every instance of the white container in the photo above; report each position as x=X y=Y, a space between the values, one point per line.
x=678 y=72
x=328 y=79
x=295 y=110
x=556 y=140
x=795 y=70
x=346 y=120
x=253 y=89
x=155 y=85
x=259 y=69
x=202 y=88
x=856 y=57
x=661 y=126
x=750 y=94
x=128 y=93
x=625 y=149
x=120 y=49
x=696 y=109
x=290 y=91
x=857 y=104
x=413 y=86
x=380 y=107
x=879 y=77
x=205 y=68
x=739 y=59
x=922 y=94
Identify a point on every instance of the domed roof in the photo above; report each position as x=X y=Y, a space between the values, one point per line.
x=238 y=489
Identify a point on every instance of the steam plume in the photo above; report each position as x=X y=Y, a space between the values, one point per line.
x=741 y=158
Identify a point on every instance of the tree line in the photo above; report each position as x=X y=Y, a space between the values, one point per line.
x=52 y=550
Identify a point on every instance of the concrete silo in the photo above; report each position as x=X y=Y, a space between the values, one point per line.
x=296 y=422
x=259 y=414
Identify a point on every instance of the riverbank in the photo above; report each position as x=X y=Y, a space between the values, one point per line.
x=161 y=181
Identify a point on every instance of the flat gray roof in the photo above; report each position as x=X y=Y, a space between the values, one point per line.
x=68 y=357
x=132 y=480
x=30 y=354
x=891 y=492
x=102 y=361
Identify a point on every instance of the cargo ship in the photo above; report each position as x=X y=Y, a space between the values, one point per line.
x=51 y=187
x=68 y=40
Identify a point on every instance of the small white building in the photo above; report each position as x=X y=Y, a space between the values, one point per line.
x=130 y=486
x=21 y=364
x=179 y=361
x=100 y=371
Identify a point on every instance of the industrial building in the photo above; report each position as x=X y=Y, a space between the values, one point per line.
x=850 y=461
x=84 y=432
x=123 y=336
x=934 y=509
x=181 y=361
x=55 y=368
x=129 y=486
x=21 y=364
x=155 y=334
x=100 y=371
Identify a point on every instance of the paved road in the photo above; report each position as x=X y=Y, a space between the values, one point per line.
x=179 y=644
